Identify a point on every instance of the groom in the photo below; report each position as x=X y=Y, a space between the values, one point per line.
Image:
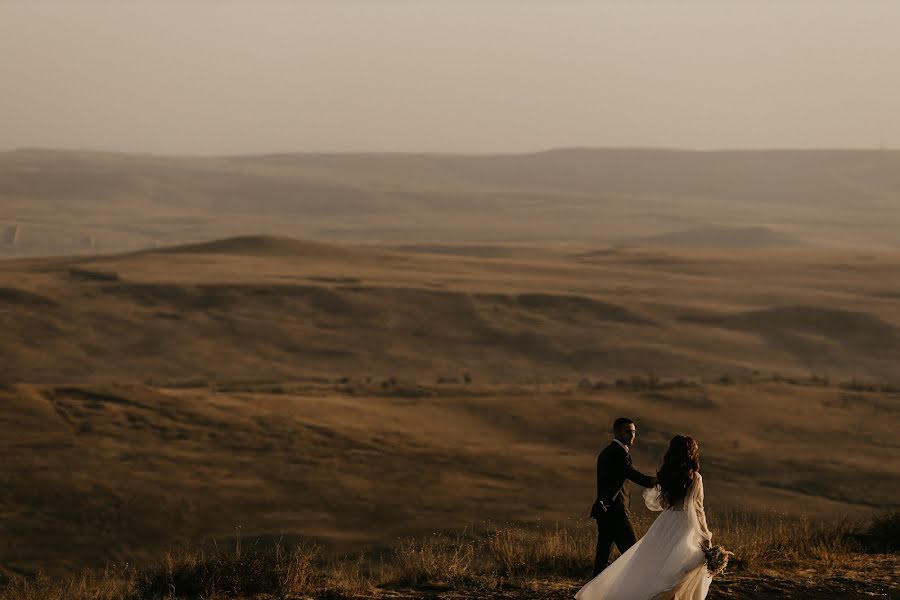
x=611 y=507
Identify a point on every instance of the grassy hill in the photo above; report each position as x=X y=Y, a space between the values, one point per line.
x=173 y=376
x=118 y=473
x=263 y=307
x=319 y=390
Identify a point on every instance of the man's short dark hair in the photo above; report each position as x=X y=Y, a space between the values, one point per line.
x=621 y=422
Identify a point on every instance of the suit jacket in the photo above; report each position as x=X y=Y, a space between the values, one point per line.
x=613 y=469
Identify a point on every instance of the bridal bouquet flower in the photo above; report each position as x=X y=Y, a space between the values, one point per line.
x=717 y=560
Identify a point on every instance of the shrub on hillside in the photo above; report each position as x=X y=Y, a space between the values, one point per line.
x=883 y=534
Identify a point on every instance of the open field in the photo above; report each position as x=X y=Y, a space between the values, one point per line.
x=267 y=308
x=97 y=473
x=453 y=367
x=310 y=390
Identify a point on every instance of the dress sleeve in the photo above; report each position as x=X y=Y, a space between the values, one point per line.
x=652 y=499
x=698 y=506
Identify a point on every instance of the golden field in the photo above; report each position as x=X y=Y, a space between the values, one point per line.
x=360 y=393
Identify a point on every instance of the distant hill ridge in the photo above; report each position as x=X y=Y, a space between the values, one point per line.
x=720 y=237
x=59 y=202
x=262 y=245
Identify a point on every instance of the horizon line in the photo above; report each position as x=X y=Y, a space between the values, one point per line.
x=438 y=153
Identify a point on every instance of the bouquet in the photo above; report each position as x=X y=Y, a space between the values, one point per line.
x=717 y=560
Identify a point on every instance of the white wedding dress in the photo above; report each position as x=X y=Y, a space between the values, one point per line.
x=667 y=563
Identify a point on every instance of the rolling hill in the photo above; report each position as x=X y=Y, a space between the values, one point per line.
x=56 y=202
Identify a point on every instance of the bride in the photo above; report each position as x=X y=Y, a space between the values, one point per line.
x=668 y=563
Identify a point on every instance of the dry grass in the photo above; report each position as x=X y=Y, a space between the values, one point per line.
x=110 y=584
x=234 y=572
x=499 y=557
x=561 y=551
x=779 y=540
x=436 y=560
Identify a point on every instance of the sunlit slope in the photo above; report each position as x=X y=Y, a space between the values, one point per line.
x=104 y=473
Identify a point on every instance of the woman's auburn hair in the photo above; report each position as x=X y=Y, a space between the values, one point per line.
x=681 y=461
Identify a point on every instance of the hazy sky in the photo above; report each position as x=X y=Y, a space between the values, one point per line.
x=216 y=76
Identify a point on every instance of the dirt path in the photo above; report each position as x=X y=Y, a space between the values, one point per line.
x=873 y=577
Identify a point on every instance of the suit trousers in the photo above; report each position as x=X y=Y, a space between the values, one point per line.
x=613 y=527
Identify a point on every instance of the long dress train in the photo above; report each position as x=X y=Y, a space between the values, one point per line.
x=667 y=563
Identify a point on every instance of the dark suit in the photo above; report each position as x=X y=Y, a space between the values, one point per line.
x=614 y=523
